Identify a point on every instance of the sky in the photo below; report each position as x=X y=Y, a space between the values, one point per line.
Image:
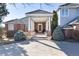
x=18 y=11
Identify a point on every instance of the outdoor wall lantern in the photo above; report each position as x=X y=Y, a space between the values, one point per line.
x=74 y=27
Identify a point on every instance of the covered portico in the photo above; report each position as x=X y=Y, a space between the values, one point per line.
x=40 y=25
x=39 y=22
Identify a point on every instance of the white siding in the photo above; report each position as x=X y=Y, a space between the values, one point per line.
x=64 y=20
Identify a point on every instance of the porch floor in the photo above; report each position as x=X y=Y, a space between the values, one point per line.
x=40 y=35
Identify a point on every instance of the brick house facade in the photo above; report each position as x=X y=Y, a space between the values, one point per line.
x=38 y=21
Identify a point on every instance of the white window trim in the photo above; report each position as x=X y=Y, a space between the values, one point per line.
x=10 y=26
x=65 y=15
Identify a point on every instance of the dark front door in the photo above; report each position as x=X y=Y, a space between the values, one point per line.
x=40 y=27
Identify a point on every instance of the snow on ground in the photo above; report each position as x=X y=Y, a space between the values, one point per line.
x=39 y=48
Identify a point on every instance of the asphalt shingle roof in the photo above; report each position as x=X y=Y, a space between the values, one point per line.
x=76 y=19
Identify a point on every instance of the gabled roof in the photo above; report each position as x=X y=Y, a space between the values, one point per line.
x=69 y=4
x=35 y=12
x=68 y=27
x=74 y=21
x=39 y=12
x=14 y=20
x=70 y=23
x=10 y=20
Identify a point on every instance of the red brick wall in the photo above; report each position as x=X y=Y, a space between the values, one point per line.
x=6 y=27
x=68 y=33
x=71 y=33
x=20 y=27
x=17 y=27
x=77 y=27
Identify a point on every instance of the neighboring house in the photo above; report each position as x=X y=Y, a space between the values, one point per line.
x=69 y=19
x=37 y=22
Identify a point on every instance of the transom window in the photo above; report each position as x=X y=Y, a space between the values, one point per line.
x=64 y=12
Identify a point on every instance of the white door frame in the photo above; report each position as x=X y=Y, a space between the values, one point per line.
x=41 y=27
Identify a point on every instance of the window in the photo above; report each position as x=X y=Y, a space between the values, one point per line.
x=10 y=27
x=64 y=12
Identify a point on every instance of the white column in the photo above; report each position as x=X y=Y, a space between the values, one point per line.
x=29 y=24
x=32 y=25
x=49 y=24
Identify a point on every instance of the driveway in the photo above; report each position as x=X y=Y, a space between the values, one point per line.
x=40 y=48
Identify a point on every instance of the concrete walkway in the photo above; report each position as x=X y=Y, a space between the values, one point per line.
x=40 y=48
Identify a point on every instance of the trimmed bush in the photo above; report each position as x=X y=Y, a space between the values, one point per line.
x=58 y=34
x=19 y=36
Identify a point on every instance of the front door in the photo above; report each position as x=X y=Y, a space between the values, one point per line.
x=40 y=27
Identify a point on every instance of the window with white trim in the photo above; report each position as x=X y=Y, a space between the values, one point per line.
x=65 y=12
x=10 y=26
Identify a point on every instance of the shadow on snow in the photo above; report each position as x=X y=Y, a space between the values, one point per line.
x=12 y=50
x=69 y=48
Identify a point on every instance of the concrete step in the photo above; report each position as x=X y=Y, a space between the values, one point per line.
x=40 y=38
x=40 y=35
